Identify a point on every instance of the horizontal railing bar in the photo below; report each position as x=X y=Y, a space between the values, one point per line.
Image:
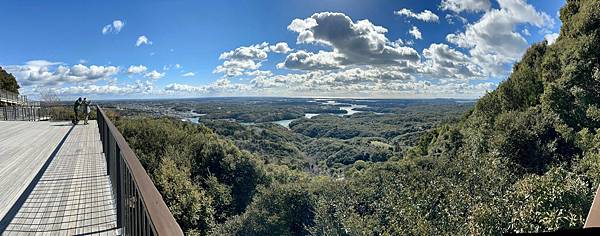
x=157 y=211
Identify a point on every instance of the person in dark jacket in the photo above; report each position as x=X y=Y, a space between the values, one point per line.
x=86 y=110
x=76 y=110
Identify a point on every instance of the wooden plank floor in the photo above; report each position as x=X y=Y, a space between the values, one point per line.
x=24 y=148
x=73 y=196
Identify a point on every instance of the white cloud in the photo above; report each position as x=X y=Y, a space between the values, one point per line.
x=426 y=15
x=352 y=43
x=154 y=75
x=466 y=5
x=312 y=61
x=281 y=47
x=232 y=68
x=114 y=27
x=136 y=69
x=142 y=40
x=316 y=81
x=175 y=87
x=127 y=89
x=253 y=52
x=219 y=87
x=387 y=81
x=492 y=41
x=42 y=73
x=451 y=17
x=189 y=74
x=526 y=32
x=551 y=38
x=259 y=73
x=414 y=31
x=243 y=59
x=106 y=29
x=118 y=25
x=445 y=62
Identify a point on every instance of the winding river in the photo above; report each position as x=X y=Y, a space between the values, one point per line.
x=348 y=107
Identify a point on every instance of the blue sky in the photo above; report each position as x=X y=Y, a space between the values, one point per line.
x=335 y=48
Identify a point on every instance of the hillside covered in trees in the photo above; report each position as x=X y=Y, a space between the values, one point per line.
x=526 y=158
x=8 y=82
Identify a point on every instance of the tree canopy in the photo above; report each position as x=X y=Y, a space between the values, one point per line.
x=526 y=158
x=8 y=82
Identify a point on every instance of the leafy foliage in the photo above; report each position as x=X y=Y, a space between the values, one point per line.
x=8 y=82
x=201 y=176
x=526 y=158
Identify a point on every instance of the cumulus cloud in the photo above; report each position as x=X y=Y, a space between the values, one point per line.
x=142 y=40
x=219 y=87
x=136 y=69
x=341 y=80
x=414 y=31
x=426 y=15
x=175 y=87
x=244 y=59
x=551 y=38
x=304 y=60
x=442 y=61
x=189 y=74
x=281 y=47
x=259 y=73
x=391 y=81
x=42 y=72
x=115 y=27
x=253 y=52
x=154 y=75
x=492 y=40
x=466 y=5
x=352 y=43
x=232 y=68
x=139 y=87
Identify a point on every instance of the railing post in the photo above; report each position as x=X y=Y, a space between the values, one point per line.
x=118 y=195
x=109 y=153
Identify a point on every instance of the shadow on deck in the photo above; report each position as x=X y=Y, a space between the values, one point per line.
x=68 y=193
x=58 y=179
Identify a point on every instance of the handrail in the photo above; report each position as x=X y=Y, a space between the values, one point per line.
x=140 y=207
x=14 y=98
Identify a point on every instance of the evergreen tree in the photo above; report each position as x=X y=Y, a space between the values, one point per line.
x=8 y=82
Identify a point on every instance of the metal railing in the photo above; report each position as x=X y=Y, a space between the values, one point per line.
x=140 y=207
x=23 y=113
x=17 y=107
x=12 y=98
x=63 y=112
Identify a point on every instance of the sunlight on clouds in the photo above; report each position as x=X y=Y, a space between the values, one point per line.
x=426 y=15
x=333 y=55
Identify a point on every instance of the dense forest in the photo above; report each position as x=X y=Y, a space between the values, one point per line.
x=525 y=158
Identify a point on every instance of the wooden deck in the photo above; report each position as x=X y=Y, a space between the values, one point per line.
x=53 y=180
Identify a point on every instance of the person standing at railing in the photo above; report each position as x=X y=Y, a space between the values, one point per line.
x=86 y=110
x=76 y=107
